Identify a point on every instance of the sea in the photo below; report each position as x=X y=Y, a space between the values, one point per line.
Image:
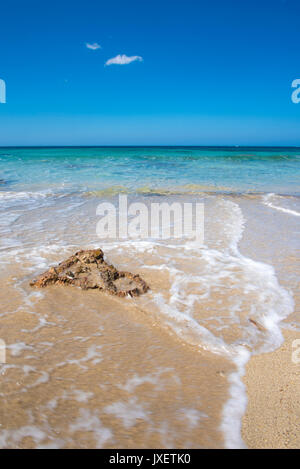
x=84 y=369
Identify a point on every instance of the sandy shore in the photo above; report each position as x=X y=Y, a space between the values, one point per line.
x=272 y=419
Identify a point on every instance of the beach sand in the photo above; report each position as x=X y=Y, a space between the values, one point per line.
x=272 y=419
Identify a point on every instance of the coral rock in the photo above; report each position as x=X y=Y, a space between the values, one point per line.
x=88 y=269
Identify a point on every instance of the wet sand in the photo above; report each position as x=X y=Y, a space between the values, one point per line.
x=88 y=370
x=272 y=419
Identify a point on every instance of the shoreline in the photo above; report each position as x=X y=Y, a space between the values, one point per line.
x=272 y=418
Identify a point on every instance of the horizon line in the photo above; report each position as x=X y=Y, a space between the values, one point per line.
x=151 y=146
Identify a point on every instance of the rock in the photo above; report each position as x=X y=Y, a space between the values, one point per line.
x=88 y=269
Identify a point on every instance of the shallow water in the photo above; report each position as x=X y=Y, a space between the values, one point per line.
x=148 y=169
x=85 y=369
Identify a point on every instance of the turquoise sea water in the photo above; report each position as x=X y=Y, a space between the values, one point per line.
x=183 y=169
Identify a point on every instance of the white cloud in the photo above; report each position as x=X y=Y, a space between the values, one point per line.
x=93 y=46
x=123 y=59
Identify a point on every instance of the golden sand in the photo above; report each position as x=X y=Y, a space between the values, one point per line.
x=272 y=419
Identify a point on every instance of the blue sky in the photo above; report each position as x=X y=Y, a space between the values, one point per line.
x=213 y=72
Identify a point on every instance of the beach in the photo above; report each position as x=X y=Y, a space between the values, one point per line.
x=272 y=416
x=204 y=358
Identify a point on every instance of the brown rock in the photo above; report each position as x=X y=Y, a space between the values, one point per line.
x=88 y=269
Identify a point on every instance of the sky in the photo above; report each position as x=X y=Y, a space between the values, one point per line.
x=139 y=72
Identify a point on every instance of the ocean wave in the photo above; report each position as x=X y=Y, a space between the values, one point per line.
x=23 y=195
x=269 y=200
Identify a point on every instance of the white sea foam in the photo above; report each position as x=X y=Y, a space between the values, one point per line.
x=17 y=348
x=16 y=435
x=90 y=422
x=236 y=405
x=129 y=412
x=269 y=200
x=82 y=396
x=7 y=195
x=152 y=378
x=93 y=355
x=192 y=417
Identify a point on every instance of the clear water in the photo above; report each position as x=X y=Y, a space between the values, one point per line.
x=186 y=169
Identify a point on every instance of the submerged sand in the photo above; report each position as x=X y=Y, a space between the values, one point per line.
x=111 y=378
